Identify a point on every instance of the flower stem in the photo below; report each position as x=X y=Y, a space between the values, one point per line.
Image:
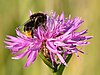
x=57 y=70
x=54 y=73
x=62 y=66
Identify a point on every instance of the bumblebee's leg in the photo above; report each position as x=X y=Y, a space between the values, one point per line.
x=32 y=32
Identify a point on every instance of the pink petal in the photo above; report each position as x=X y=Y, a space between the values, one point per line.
x=19 y=33
x=59 y=43
x=61 y=59
x=21 y=55
x=62 y=16
x=51 y=47
x=31 y=58
x=30 y=13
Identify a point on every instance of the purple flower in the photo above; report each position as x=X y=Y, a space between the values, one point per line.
x=56 y=41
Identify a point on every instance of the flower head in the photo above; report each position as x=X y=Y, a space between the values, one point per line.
x=58 y=39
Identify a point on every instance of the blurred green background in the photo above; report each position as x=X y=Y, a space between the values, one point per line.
x=15 y=12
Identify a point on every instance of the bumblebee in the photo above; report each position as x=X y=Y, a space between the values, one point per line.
x=35 y=20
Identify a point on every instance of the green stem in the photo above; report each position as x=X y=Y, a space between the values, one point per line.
x=62 y=66
x=57 y=70
x=55 y=73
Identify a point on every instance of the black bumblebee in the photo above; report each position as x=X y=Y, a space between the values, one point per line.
x=35 y=20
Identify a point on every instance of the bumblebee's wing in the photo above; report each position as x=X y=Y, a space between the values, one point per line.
x=26 y=22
